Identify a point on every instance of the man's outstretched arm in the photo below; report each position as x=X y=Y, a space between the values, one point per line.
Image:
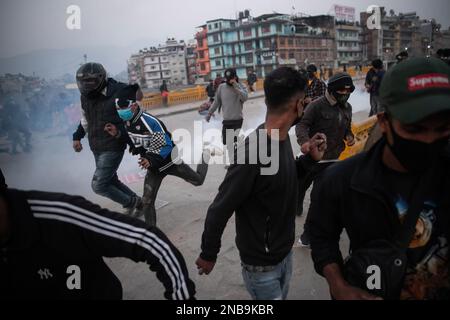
x=86 y=230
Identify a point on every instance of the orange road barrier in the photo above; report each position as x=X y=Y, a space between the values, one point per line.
x=361 y=131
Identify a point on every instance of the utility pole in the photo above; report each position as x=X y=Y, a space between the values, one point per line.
x=85 y=58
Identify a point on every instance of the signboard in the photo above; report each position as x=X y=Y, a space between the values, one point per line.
x=287 y=61
x=268 y=54
x=344 y=13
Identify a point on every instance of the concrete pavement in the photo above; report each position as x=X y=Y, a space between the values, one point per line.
x=53 y=166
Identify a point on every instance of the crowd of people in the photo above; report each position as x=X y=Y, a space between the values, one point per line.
x=391 y=200
x=52 y=111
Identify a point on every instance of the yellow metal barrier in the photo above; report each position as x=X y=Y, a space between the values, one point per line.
x=361 y=131
x=199 y=93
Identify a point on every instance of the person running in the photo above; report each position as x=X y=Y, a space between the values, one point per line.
x=265 y=204
x=158 y=153
x=97 y=104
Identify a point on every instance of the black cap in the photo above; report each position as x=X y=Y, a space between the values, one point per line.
x=230 y=73
x=341 y=81
x=126 y=96
x=311 y=68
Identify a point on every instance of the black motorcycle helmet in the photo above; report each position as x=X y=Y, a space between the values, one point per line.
x=91 y=78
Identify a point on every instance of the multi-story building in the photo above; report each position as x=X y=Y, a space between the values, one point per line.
x=263 y=43
x=203 y=63
x=191 y=61
x=398 y=33
x=154 y=65
x=135 y=67
x=348 y=43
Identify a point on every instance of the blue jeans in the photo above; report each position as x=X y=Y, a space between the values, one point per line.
x=106 y=182
x=270 y=285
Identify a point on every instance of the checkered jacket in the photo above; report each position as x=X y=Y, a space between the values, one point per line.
x=152 y=140
x=316 y=89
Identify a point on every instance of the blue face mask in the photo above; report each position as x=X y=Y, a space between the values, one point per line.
x=125 y=114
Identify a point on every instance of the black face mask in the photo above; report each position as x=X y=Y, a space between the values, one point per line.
x=414 y=155
x=341 y=98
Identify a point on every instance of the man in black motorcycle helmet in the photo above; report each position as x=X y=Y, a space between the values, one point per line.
x=91 y=79
x=98 y=112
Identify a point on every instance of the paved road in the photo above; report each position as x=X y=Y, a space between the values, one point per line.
x=53 y=166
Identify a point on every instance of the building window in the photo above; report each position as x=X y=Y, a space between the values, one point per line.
x=266 y=43
x=217 y=51
x=247 y=32
x=248 y=46
x=216 y=38
x=291 y=55
x=202 y=67
x=290 y=42
x=201 y=55
x=266 y=29
x=249 y=58
x=218 y=63
x=216 y=25
x=283 y=55
x=282 y=41
x=233 y=24
x=279 y=29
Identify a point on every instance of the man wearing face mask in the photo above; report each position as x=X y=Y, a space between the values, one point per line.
x=98 y=109
x=159 y=154
x=371 y=194
x=264 y=204
x=332 y=116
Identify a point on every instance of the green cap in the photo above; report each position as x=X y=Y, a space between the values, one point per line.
x=416 y=89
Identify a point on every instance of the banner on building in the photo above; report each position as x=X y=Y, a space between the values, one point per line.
x=344 y=13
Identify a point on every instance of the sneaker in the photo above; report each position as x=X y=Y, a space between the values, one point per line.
x=303 y=241
x=136 y=204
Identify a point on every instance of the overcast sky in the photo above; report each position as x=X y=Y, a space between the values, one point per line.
x=28 y=25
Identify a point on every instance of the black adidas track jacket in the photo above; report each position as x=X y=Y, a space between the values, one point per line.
x=58 y=242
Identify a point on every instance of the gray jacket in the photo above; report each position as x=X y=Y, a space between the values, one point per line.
x=324 y=115
x=231 y=99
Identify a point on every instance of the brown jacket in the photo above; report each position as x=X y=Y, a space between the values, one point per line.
x=324 y=115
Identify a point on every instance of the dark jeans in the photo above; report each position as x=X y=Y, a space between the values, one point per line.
x=153 y=182
x=234 y=126
x=106 y=182
x=304 y=185
x=375 y=105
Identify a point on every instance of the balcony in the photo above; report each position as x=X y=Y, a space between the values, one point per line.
x=349 y=49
